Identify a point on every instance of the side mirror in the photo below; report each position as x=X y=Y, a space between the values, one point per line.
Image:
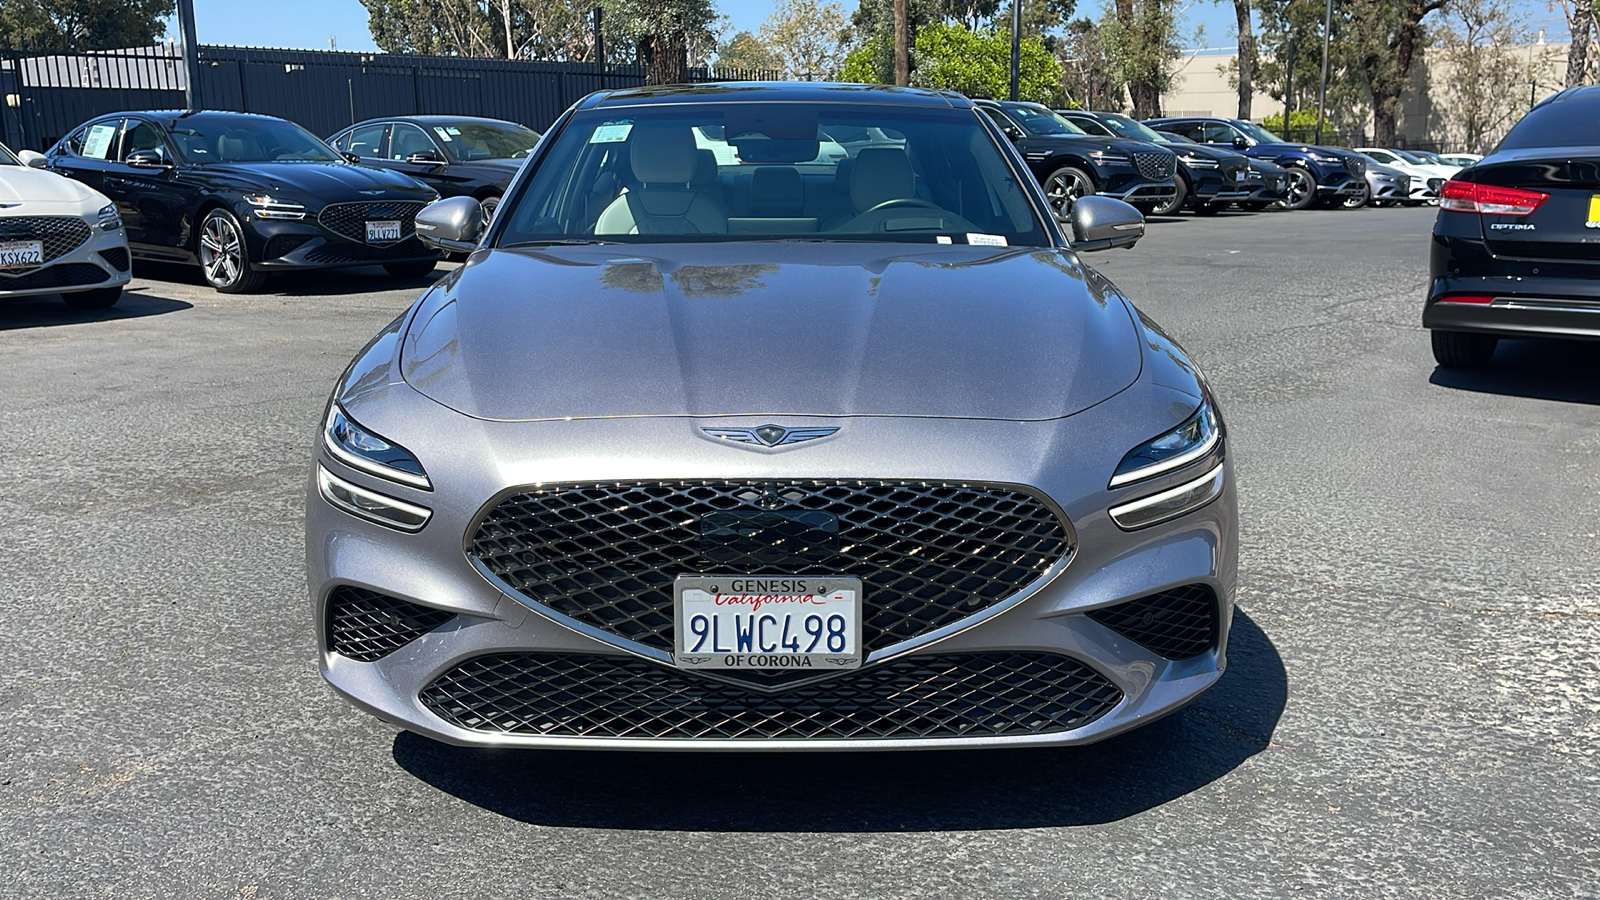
x=425 y=158
x=1014 y=133
x=33 y=159
x=452 y=224
x=350 y=157
x=1239 y=143
x=146 y=159
x=1100 y=223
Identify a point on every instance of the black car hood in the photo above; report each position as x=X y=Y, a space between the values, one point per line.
x=323 y=182
x=752 y=328
x=1121 y=145
x=1203 y=151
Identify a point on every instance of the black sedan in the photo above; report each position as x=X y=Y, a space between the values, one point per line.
x=458 y=156
x=1516 y=245
x=1209 y=178
x=243 y=195
x=1071 y=163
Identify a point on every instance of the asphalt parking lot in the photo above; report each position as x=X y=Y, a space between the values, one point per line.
x=1412 y=707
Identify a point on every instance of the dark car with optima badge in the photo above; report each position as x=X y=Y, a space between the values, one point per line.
x=243 y=195
x=772 y=416
x=458 y=156
x=1516 y=245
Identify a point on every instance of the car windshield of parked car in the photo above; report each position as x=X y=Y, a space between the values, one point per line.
x=771 y=171
x=1171 y=138
x=1128 y=128
x=1039 y=120
x=470 y=141
x=1410 y=158
x=1257 y=133
x=246 y=139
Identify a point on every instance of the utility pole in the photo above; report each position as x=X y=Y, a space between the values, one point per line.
x=1322 y=90
x=1016 y=46
x=902 y=53
x=192 y=97
x=600 y=45
x=1288 y=89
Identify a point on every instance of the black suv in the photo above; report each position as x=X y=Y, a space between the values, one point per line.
x=1070 y=163
x=1209 y=178
x=1322 y=175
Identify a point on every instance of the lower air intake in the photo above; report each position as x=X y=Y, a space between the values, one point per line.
x=1176 y=624
x=366 y=626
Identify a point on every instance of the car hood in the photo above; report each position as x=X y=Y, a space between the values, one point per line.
x=35 y=186
x=323 y=182
x=1203 y=151
x=814 y=329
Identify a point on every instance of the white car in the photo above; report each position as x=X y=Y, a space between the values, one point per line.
x=1460 y=160
x=58 y=237
x=1426 y=178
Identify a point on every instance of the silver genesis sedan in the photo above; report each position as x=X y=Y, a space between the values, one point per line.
x=778 y=417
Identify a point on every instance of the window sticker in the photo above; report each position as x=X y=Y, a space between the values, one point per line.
x=611 y=134
x=453 y=130
x=986 y=240
x=443 y=133
x=98 y=141
x=944 y=239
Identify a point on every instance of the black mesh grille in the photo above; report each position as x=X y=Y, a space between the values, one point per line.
x=349 y=220
x=59 y=235
x=1155 y=165
x=334 y=252
x=1356 y=165
x=1177 y=624
x=64 y=275
x=365 y=625
x=954 y=695
x=928 y=553
x=280 y=245
x=117 y=257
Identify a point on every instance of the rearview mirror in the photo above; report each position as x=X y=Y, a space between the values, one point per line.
x=1239 y=143
x=351 y=157
x=1014 y=133
x=452 y=224
x=1100 y=223
x=33 y=159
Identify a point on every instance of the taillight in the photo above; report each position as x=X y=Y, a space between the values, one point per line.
x=1465 y=196
x=1474 y=299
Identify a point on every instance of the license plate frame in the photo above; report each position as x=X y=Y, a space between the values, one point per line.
x=383 y=231
x=745 y=614
x=21 y=254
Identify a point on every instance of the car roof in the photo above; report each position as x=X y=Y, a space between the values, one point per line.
x=434 y=120
x=186 y=114
x=775 y=91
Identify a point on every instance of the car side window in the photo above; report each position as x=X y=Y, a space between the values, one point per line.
x=1381 y=156
x=97 y=141
x=405 y=140
x=999 y=117
x=365 y=141
x=1217 y=133
x=1190 y=130
x=141 y=136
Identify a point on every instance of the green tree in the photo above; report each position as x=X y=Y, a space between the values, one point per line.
x=1088 y=78
x=1482 y=96
x=1244 y=70
x=746 y=51
x=1300 y=21
x=978 y=64
x=1386 y=38
x=82 y=24
x=808 y=38
x=1141 y=39
x=664 y=33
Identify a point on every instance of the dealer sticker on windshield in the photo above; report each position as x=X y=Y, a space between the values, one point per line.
x=16 y=254
x=735 y=622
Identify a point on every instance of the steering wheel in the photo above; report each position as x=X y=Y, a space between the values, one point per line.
x=903 y=201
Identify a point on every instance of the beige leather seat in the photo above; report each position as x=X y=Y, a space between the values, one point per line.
x=667 y=200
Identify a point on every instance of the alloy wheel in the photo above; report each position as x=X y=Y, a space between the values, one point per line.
x=487 y=207
x=221 y=251
x=1065 y=185
x=1302 y=189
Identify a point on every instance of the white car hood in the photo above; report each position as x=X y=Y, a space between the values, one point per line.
x=34 y=192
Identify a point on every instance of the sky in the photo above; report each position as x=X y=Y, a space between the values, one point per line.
x=309 y=24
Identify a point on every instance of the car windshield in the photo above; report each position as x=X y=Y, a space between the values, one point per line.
x=1128 y=128
x=1172 y=138
x=7 y=158
x=1039 y=120
x=773 y=171
x=469 y=141
x=1257 y=132
x=246 y=139
x=1414 y=160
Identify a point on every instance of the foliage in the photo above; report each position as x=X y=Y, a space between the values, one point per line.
x=870 y=63
x=82 y=24
x=746 y=51
x=871 y=35
x=1475 y=40
x=1087 y=67
x=978 y=64
x=1301 y=21
x=808 y=38
x=1141 y=42
x=1300 y=121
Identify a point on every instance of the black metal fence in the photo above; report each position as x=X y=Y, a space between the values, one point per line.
x=47 y=95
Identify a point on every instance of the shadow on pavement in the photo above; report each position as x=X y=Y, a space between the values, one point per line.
x=305 y=283
x=1536 y=368
x=872 y=792
x=42 y=310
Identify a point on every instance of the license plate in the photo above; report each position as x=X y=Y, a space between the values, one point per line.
x=733 y=622
x=16 y=254
x=386 y=231
x=1240 y=176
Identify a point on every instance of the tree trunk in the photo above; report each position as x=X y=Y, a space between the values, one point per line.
x=1247 y=57
x=505 y=15
x=902 y=52
x=1146 y=101
x=1578 y=52
x=665 y=59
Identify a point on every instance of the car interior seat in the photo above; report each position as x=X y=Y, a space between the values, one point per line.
x=665 y=199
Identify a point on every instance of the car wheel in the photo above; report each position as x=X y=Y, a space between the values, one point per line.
x=1463 y=349
x=223 y=258
x=488 y=205
x=1171 y=207
x=1302 y=189
x=409 y=270
x=1356 y=201
x=1067 y=183
x=101 y=298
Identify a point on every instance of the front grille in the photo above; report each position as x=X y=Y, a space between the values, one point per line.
x=947 y=696
x=65 y=275
x=1230 y=173
x=117 y=257
x=349 y=220
x=59 y=235
x=1155 y=165
x=1356 y=165
x=335 y=252
x=1177 y=624
x=280 y=245
x=366 y=625
x=928 y=553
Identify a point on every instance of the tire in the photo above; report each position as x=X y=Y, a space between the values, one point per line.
x=1171 y=207
x=1463 y=349
x=488 y=205
x=100 y=298
x=1302 y=189
x=410 y=270
x=1205 y=208
x=1067 y=182
x=1254 y=206
x=1358 y=200
x=224 y=259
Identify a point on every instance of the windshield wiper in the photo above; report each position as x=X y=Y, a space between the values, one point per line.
x=577 y=242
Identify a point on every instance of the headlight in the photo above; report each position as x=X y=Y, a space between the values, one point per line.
x=1325 y=158
x=1196 y=438
x=1109 y=157
x=1195 y=162
x=108 y=219
x=360 y=448
x=371 y=505
x=270 y=207
x=1171 y=503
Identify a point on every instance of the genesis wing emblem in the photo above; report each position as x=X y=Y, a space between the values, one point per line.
x=769 y=435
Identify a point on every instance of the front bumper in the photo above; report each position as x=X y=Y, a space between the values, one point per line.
x=101 y=261
x=1109 y=567
x=309 y=244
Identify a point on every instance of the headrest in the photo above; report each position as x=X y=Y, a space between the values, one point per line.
x=776 y=190
x=881 y=173
x=230 y=148
x=842 y=173
x=662 y=154
x=705 y=169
